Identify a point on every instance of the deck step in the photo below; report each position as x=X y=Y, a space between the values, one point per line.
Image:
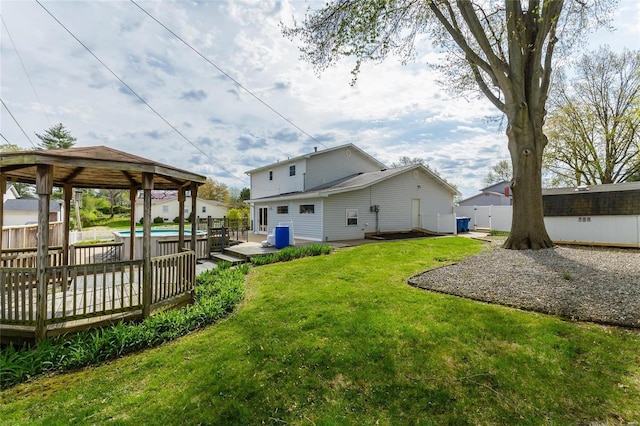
x=218 y=257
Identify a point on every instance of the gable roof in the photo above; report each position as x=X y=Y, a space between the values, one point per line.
x=358 y=181
x=608 y=187
x=28 y=204
x=93 y=167
x=315 y=153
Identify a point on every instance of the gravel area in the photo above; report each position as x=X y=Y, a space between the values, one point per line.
x=588 y=284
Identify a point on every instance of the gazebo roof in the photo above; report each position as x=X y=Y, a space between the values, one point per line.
x=93 y=167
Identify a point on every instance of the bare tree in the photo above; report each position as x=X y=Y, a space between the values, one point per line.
x=594 y=120
x=500 y=172
x=502 y=48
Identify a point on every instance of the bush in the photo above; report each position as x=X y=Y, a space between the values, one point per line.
x=141 y=221
x=217 y=293
x=176 y=219
x=158 y=219
x=290 y=253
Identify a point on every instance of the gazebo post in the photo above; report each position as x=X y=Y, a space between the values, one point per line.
x=44 y=186
x=181 y=219
x=194 y=225
x=132 y=222
x=3 y=184
x=147 y=186
x=67 y=193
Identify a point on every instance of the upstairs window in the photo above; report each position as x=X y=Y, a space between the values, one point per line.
x=283 y=209
x=307 y=208
x=270 y=174
x=204 y=209
x=292 y=170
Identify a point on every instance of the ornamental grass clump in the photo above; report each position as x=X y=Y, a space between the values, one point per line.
x=217 y=293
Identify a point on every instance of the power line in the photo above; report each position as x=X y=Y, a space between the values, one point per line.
x=14 y=119
x=25 y=70
x=136 y=94
x=227 y=75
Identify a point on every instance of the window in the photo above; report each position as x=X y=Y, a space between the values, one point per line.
x=307 y=208
x=165 y=209
x=270 y=174
x=204 y=209
x=292 y=170
x=352 y=217
x=283 y=209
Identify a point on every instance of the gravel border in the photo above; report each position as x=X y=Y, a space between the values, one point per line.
x=581 y=283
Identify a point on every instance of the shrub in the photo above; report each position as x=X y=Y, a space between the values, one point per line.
x=141 y=221
x=290 y=253
x=217 y=293
x=176 y=219
x=158 y=219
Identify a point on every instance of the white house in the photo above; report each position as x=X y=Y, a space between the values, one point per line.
x=24 y=211
x=497 y=194
x=165 y=204
x=10 y=193
x=344 y=193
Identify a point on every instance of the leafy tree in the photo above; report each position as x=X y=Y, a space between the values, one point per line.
x=8 y=147
x=24 y=190
x=56 y=137
x=594 y=121
x=500 y=172
x=408 y=161
x=214 y=190
x=245 y=194
x=504 y=49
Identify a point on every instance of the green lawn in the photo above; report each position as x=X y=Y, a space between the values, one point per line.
x=342 y=339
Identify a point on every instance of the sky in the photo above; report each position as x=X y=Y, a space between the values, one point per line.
x=221 y=127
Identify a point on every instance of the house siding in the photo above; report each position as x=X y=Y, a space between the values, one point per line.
x=336 y=165
x=306 y=226
x=394 y=196
x=173 y=209
x=282 y=183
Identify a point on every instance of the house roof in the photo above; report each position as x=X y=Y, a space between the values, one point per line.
x=496 y=185
x=609 y=187
x=358 y=181
x=28 y=204
x=93 y=167
x=312 y=154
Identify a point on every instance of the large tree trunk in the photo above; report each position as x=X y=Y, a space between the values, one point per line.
x=526 y=144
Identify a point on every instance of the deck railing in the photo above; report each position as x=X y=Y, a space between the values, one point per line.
x=18 y=296
x=172 y=276
x=86 y=254
x=26 y=257
x=93 y=291
x=85 y=291
x=167 y=247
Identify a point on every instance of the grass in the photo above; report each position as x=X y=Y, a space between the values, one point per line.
x=342 y=339
x=495 y=232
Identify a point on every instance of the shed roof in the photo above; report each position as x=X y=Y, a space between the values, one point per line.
x=28 y=205
x=93 y=167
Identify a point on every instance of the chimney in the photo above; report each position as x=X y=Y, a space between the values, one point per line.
x=315 y=149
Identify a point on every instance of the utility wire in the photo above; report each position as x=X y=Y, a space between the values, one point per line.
x=5 y=139
x=25 y=70
x=136 y=94
x=228 y=76
x=14 y=119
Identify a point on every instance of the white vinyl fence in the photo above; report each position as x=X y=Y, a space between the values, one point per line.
x=487 y=217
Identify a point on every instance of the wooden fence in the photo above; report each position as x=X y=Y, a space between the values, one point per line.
x=166 y=247
x=172 y=276
x=84 y=254
x=23 y=236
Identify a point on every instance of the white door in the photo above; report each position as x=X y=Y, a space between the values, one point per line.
x=263 y=226
x=415 y=213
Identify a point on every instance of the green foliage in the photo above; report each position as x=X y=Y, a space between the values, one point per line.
x=343 y=340
x=217 y=292
x=56 y=137
x=289 y=253
x=499 y=233
x=158 y=219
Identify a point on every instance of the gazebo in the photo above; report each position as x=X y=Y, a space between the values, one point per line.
x=49 y=296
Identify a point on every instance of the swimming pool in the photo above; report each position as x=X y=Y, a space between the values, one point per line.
x=157 y=236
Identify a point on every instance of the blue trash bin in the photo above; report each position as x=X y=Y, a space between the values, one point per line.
x=282 y=236
x=462 y=224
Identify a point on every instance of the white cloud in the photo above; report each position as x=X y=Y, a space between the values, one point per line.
x=394 y=109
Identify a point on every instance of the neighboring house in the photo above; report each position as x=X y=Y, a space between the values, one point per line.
x=498 y=194
x=599 y=214
x=23 y=211
x=344 y=193
x=165 y=204
x=10 y=193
